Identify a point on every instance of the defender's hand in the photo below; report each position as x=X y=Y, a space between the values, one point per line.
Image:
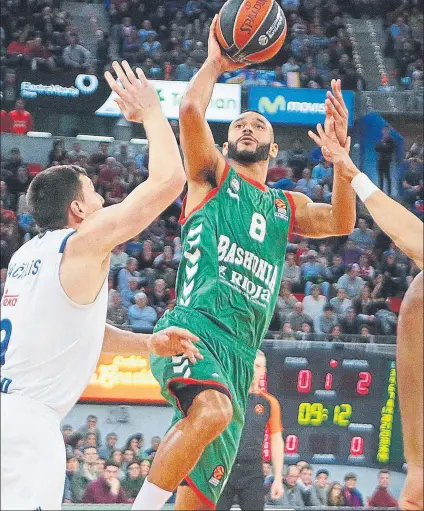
x=277 y=490
x=216 y=55
x=137 y=98
x=335 y=108
x=330 y=146
x=174 y=341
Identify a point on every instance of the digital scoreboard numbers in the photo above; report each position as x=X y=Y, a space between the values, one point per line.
x=339 y=403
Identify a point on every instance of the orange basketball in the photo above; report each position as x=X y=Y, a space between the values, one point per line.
x=251 y=31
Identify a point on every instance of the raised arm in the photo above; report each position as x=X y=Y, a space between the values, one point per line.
x=404 y=228
x=202 y=160
x=113 y=225
x=317 y=220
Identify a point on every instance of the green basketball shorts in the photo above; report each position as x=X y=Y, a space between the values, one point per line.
x=227 y=367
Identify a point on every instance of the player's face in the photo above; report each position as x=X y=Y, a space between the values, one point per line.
x=92 y=200
x=250 y=139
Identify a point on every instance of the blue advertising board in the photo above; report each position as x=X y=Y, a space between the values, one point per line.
x=294 y=106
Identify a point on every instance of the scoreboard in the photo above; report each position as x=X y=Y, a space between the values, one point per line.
x=339 y=402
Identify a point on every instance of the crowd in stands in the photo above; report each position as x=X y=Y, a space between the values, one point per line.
x=403 y=22
x=169 y=40
x=106 y=470
x=342 y=288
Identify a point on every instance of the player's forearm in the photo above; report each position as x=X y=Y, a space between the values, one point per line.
x=115 y=335
x=277 y=455
x=402 y=227
x=343 y=204
x=165 y=164
x=199 y=91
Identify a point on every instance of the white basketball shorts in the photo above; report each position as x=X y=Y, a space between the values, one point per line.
x=33 y=458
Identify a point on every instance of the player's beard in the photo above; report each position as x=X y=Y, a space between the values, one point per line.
x=261 y=153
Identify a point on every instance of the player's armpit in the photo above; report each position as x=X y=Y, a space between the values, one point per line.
x=317 y=220
x=116 y=224
x=200 y=153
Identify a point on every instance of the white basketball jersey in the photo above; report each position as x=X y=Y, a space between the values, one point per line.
x=49 y=345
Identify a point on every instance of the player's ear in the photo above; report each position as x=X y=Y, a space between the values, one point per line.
x=77 y=209
x=225 y=148
x=273 y=150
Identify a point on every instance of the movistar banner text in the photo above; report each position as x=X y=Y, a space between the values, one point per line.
x=294 y=106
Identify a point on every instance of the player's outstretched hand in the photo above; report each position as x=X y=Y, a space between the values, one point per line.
x=330 y=146
x=137 y=98
x=215 y=53
x=175 y=341
x=335 y=108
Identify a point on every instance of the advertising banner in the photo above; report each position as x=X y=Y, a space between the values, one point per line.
x=69 y=93
x=225 y=104
x=122 y=375
x=294 y=106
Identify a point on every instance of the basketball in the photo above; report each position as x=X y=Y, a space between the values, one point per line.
x=251 y=31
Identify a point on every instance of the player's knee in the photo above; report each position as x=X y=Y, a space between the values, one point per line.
x=215 y=410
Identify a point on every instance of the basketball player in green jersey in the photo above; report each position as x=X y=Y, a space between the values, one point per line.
x=234 y=232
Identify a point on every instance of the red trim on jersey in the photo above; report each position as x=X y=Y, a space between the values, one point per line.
x=261 y=186
x=201 y=496
x=209 y=196
x=292 y=212
x=193 y=381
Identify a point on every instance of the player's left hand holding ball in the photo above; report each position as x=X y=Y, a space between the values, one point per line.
x=174 y=341
x=137 y=98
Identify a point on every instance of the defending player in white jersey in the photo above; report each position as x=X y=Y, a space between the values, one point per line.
x=406 y=230
x=55 y=300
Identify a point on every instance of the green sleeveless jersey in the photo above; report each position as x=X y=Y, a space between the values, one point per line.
x=233 y=250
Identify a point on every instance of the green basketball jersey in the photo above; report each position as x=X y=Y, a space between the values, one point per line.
x=233 y=250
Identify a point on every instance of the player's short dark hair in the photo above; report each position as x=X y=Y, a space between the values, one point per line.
x=51 y=193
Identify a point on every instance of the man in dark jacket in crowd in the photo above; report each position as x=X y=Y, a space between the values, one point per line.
x=385 y=149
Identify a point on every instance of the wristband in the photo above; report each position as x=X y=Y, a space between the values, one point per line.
x=363 y=186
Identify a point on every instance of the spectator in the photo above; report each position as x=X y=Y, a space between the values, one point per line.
x=351 y=495
x=287 y=332
x=337 y=269
x=365 y=307
x=146 y=31
x=313 y=304
x=304 y=483
x=335 y=495
x=416 y=150
x=307 y=185
x=350 y=281
x=276 y=173
x=313 y=272
x=381 y=496
x=297 y=157
x=108 y=172
x=145 y=468
x=186 y=71
x=107 y=489
x=160 y=296
x=18 y=184
x=326 y=321
x=142 y=317
x=366 y=271
x=102 y=51
x=340 y=302
x=66 y=431
x=305 y=332
x=362 y=236
x=77 y=152
x=155 y=443
x=110 y=445
x=351 y=253
x=319 y=489
x=125 y=274
x=99 y=158
x=297 y=318
x=71 y=470
x=127 y=458
x=134 y=248
x=128 y=294
x=135 y=443
x=91 y=427
x=20 y=120
x=385 y=149
x=116 y=314
x=75 y=56
x=292 y=496
x=394 y=283
x=133 y=480
x=90 y=440
x=349 y=322
x=58 y=152
x=86 y=473
x=323 y=173
x=291 y=272
x=286 y=183
x=117 y=456
x=412 y=183
x=4 y=122
x=166 y=260
x=118 y=259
